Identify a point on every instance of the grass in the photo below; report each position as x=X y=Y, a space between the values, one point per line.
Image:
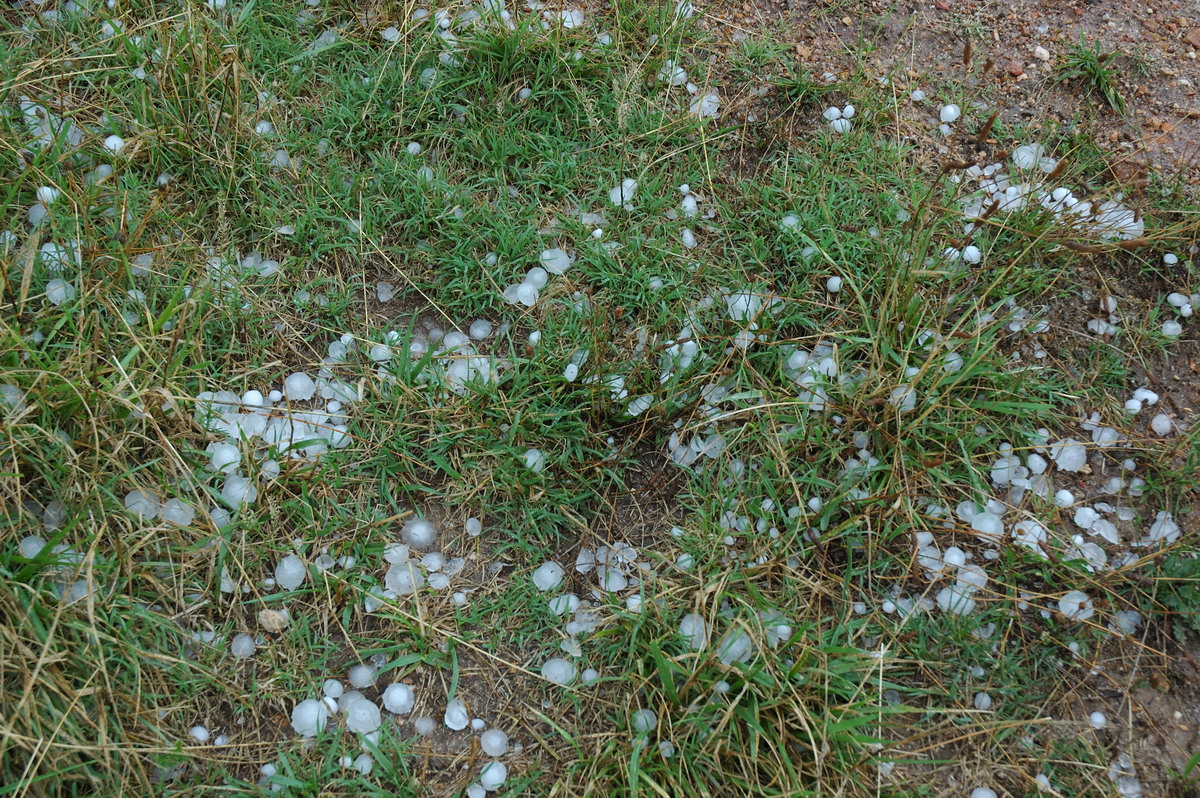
x=1089 y=64
x=792 y=530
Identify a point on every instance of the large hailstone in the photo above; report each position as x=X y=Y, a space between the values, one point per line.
x=309 y=717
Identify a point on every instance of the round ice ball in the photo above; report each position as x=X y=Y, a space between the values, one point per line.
x=558 y=670
x=398 y=698
x=493 y=775
x=309 y=717
x=419 y=533
x=493 y=742
x=949 y=113
x=290 y=573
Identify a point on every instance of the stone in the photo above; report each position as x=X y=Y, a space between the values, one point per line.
x=1041 y=53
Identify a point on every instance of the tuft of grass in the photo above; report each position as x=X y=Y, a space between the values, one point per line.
x=1089 y=64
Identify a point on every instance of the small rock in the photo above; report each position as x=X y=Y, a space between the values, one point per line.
x=1015 y=69
x=1193 y=38
x=1041 y=53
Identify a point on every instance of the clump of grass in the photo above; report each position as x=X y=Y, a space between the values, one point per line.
x=1093 y=67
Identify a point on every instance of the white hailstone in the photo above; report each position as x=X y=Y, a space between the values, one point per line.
x=535 y=460
x=1170 y=259
x=493 y=742
x=1161 y=424
x=59 y=292
x=1069 y=455
x=363 y=764
x=832 y=113
x=420 y=533
x=672 y=73
x=640 y=404
x=143 y=503
x=31 y=546
x=705 y=105
x=224 y=457
x=688 y=238
x=480 y=329
x=1027 y=156
x=1172 y=329
x=522 y=294
x=332 y=688
x=1133 y=406
x=590 y=676
x=903 y=398
x=290 y=573
x=1086 y=517
x=983 y=792
x=917 y=95
x=1076 y=605
x=555 y=261
x=114 y=144
x=456 y=716
x=299 y=387
x=971 y=254
x=474 y=527
x=1097 y=720
x=848 y=112
x=571 y=372
x=309 y=717
x=476 y=791
x=842 y=126
x=949 y=113
x=362 y=714
x=478 y=724
x=242 y=646
x=424 y=726
x=644 y=721
x=362 y=676
x=954 y=556
x=537 y=277
x=559 y=671
x=693 y=627
x=1177 y=300
x=548 y=576
x=492 y=777
x=570 y=17
x=790 y=220
x=623 y=194
x=983 y=701
x=735 y=646
x=199 y=734
x=238 y=490
x=178 y=512
x=48 y=194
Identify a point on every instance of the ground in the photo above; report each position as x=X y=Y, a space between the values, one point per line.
x=774 y=415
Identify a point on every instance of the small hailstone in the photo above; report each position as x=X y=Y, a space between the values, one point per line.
x=571 y=372
x=693 y=627
x=480 y=329
x=299 y=387
x=424 y=726
x=644 y=721
x=456 y=716
x=834 y=285
x=474 y=527
x=789 y=220
x=1098 y=720
x=420 y=533
x=535 y=460
x=590 y=676
x=332 y=688
x=221 y=739
x=549 y=575
x=848 y=112
x=559 y=671
x=1172 y=329
x=917 y=95
x=493 y=742
x=983 y=701
x=842 y=126
x=290 y=573
x=363 y=764
x=1170 y=259
x=1076 y=605
x=1161 y=424
x=362 y=676
x=623 y=194
x=949 y=113
x=493 y=775
x=114 y=144
x=199 y=734
x=831 y=113
x=242 y=646
x=48 y=194
x=971 y=254
x=59 y=292
x=983 y=792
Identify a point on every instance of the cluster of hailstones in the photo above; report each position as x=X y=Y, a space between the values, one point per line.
x=406 y=575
